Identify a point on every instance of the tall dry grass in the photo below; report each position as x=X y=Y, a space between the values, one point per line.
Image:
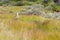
x=28 y=27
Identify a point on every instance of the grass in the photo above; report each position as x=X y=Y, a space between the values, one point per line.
x=27 y=27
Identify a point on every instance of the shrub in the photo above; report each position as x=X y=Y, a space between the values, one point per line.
x=32 y=0
x=19 y=3
x=0 y=4
x=55 y=7
x=28 y=3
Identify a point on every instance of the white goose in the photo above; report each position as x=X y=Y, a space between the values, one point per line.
x=17 y=15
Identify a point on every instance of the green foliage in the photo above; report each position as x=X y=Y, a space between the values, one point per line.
x=19 y=3
x=28 y=3
x=32 y=0
x=15 y=0
x=55 y=7
x=0 y=4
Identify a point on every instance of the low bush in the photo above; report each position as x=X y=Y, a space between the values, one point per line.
x=55 y=7
x=19 y=3
x=0 y=4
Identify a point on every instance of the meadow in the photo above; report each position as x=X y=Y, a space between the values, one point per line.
x=27 y=27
